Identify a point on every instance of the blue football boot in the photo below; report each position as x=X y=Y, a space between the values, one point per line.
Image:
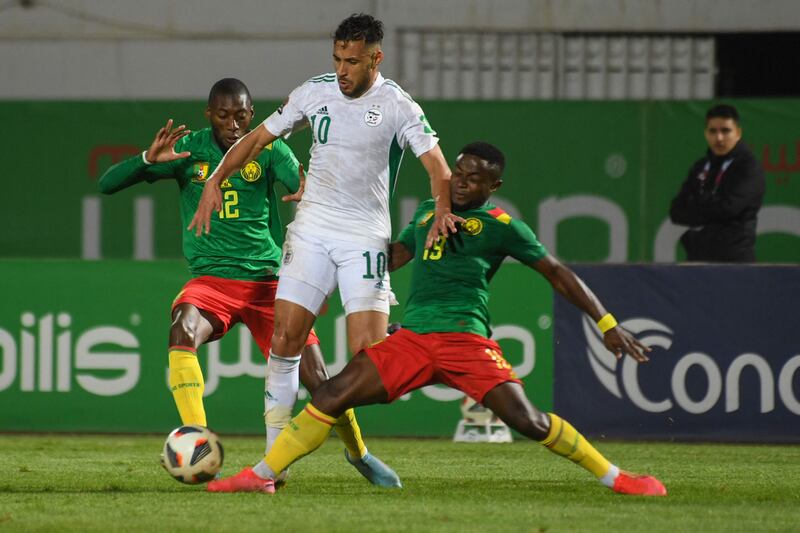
x=375 y=470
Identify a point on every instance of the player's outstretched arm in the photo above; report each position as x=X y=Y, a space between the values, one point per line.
x=245 y=149
x=444 y=221
x=143 y=166
x=570 y=286
x=399 y=255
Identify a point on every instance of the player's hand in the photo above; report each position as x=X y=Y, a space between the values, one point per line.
x=444 y=223
x=162 y=149
x=295 y=197
x=619 y=341
x=210 y=201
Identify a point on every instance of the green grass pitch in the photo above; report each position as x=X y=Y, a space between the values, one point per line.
x=109 y=483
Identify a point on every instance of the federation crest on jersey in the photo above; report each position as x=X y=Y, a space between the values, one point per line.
x=424 y=220
x=251 y=171
x=373 y=117
x=200 y=172
x=472 y=226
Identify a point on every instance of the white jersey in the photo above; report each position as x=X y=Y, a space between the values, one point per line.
x=355 y=157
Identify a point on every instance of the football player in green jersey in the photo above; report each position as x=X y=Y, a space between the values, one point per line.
x=235 y=269
x=445 y=333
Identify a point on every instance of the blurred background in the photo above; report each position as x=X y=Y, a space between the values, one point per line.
x=599 y=106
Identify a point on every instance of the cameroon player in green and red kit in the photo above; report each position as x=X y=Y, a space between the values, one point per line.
x=235 y=271
x=445 y=334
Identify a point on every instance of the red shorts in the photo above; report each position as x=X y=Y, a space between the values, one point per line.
x=233 y=301
x=407 y=361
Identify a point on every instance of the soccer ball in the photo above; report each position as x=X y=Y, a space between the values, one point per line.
x=475 y=413
x=192 y=454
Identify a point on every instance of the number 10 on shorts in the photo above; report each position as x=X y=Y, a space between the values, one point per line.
x=379 y=262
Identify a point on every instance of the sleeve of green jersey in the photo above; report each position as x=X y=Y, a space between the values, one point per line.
x=132 y=171
x=521 y=243
x=284 y=165
x=407 y=237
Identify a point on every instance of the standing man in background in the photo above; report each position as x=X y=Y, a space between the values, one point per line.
x=722 y=194
x=235 y=272
x=360 y=124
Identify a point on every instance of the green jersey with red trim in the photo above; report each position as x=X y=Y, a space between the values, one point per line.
x=450 y=281
x=247 y=234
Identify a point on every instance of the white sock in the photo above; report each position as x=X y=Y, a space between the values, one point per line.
x=263 y=471
x=272 y=434
x=611 y=475
x=280 y=393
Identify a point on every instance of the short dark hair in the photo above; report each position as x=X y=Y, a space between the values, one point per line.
x=228 y=87
x=360 y=27
x=489 y=153
x=723 y=111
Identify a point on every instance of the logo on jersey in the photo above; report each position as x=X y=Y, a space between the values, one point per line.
x=288 y=254
x=424 y=220
x=472 y=226
x=373 y=118
x=251 y=171
x=200 y=172
x=322 y=110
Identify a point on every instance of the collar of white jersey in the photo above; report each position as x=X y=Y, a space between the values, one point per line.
x=379 y=80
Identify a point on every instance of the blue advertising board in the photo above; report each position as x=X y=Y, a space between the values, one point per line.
x=725 y=364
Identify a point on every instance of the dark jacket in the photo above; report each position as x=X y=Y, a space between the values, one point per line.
x=720 y=200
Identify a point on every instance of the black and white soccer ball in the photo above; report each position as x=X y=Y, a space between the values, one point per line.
x=192 y=454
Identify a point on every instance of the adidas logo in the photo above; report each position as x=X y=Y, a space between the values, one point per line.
x=322 y=110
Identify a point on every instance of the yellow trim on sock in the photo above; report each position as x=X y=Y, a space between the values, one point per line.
x=350 y=434
x=305 y=433
x=564 y=440
x=187 y=386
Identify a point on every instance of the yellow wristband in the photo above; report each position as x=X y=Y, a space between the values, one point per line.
x=606 y=323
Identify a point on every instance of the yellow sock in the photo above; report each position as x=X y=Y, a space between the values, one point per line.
x=564 y=440
x=347 y=428
x=186 y=383
x=304 y=434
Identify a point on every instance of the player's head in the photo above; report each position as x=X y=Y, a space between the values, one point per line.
x=357 y=53
x=477 y=174
x=230 y=110
x=722 y=128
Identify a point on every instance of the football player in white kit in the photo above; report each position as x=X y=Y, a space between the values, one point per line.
x=361 y=123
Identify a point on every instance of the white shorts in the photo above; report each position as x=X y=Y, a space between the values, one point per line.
x=312 y=268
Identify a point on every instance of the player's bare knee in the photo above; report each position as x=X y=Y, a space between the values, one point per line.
x=287 y=342
x=182 y=332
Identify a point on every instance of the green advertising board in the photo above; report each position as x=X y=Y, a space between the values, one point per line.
x=83 y=348
x=594 y=179
x=83 y=342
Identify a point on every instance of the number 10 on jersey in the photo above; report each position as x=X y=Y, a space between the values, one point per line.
x=320 y=130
